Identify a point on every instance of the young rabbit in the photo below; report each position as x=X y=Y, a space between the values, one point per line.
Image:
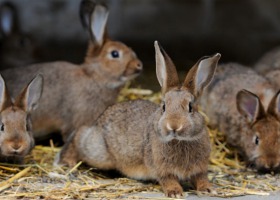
x=76 y=95
x=17 y=49
x=269 y=66
x=246 y=107
x=144 y=141
x=16 y=139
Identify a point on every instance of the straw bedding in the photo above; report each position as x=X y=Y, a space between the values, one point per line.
x=38 y=178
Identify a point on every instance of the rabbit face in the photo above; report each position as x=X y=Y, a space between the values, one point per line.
x=263 y=145
x=15 y=136
x=120 y=62
x=180 y=119
x=261 y=138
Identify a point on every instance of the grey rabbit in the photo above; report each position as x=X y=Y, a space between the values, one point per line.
x=17 y=49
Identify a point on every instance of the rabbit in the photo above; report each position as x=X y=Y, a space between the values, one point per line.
x=269 y=66
x=245 y=107
x=17 y=49
x=16 y=139
x=269 y=61
x=76 y=95
x=142 y=140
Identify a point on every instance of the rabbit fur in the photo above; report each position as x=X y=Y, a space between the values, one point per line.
x=269 y=66
x=245 y=106
x=76 y=95
x=16 y=139
x=144 y=141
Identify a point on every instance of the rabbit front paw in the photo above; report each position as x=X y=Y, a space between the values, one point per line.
x=175 y=192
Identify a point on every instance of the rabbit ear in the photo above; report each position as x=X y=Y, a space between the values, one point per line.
x=201 y=74
x=165 y=69
x=5 y=99
x=86 y=9
x=274 y=106
x=94 y=17
x=8 y=19
x=250 y=106
x=30 y=96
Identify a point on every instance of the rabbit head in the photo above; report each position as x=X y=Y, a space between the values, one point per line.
x=262 y=140
x=16 y=47
x=180 y=119
x=16 y=139
x=118 y=60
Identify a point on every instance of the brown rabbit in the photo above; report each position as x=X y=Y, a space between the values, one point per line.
x=16 y=139
x=17 y=49
x=76 y=95
x=144 y=141
x=245 y=106
x=269 y=66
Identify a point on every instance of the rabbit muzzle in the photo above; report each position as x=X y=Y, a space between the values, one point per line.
x=16 y=147
x=268 y=164
x=133 y=69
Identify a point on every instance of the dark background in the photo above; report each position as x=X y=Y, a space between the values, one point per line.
x=241 y=30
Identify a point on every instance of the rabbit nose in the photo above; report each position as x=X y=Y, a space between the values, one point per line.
x=137 y=65
x=174 y=128
x=16 y=147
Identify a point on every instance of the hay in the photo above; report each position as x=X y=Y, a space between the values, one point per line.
x=38 y=178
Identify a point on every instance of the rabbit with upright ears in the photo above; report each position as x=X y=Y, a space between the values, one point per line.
x=76 y=95
x=269 y=66
x=142 y=140
x=16 y=139
x=246 y=107
x=17 y=49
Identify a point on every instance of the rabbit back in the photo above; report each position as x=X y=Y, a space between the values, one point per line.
x=269 y=61
x=219 y=100
x=122 y=129
x=66 y=94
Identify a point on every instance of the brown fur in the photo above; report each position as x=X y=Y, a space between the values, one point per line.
x=16 y=139
x=76 y=95
x=144 y=141
x=225 y=102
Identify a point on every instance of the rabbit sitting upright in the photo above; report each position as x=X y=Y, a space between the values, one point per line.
x=16 y=139
x=142 y=140
x=76 y=95
x=246 y=107
x=17 y=49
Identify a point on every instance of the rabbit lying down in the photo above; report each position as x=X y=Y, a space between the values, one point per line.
x=142 y=140
x=16 y=139
x=74 y=95
x=246 y=107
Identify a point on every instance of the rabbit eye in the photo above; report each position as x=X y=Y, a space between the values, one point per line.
x=257 y=140
x=190 y=107
x=163 y=107
x=2 y=127
x=115 y=54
